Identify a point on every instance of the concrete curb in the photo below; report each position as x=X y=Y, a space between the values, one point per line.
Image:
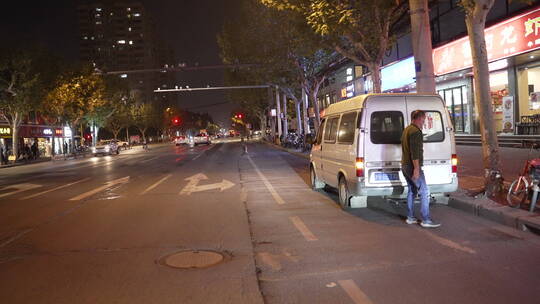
x=488 y=209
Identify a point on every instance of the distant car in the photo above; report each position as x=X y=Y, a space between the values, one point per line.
x=202 y=138
x=106 y=147
x=122 y=144
x=181 y=140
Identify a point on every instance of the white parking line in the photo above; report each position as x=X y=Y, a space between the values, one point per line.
x=269 y=186
x=354 y=292
x=54 y=189
x=449 y=243
x=299 y=224
x=156 y=184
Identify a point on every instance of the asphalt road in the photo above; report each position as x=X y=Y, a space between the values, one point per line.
x=97 y=231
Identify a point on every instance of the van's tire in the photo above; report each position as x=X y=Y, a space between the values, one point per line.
x=316 y=184
x=343 y=194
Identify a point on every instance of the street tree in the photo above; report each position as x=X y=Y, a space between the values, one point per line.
x=21 y=90
x=76 y=95
x=361 y=30
x=475 y=19
x=145 y=116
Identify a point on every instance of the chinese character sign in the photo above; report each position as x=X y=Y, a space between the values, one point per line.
x=508 y=38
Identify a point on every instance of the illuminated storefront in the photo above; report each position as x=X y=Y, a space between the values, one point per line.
x=514 y=74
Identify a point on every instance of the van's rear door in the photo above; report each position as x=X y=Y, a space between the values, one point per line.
x=385 y=120
x=438 y=143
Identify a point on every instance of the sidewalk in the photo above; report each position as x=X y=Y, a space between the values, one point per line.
x=482 y=207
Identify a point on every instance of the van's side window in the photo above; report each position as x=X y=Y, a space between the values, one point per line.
x=433 y=127
x=347 y=127
x=330 y=130
x=319 y=134
x=386 y=127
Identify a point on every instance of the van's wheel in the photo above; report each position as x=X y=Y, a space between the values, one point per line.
x=343 y=191
x=316 y=184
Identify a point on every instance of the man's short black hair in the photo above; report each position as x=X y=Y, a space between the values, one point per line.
x=417 y=114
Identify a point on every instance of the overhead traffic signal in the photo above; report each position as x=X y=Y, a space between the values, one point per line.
x=176 y=121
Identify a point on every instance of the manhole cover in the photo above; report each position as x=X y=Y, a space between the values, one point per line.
x=193 y=259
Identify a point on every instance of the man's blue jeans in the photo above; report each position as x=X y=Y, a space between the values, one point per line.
x=417 y=187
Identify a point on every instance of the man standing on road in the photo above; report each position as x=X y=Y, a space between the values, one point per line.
x=412 y=147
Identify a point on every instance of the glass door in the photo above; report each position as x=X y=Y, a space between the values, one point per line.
x=456 y=102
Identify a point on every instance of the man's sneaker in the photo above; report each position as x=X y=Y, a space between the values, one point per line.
x=411 y=220
x=429 y=224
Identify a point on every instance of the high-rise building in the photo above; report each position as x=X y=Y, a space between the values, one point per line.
x=121 y=36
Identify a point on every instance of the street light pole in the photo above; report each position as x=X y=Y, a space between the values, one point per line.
x=278 y=114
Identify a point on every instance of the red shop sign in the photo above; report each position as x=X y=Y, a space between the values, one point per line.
x=508 y=38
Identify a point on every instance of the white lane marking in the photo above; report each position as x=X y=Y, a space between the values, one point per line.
x=156 y=184
x=150 y=159
x=194 y=180
x=196 y=157
x=18 y=188
x=54 y=189
x=99 y=189
x=15 y=237
x=299 y=224
x=354 y=292
x=269 y=186
x=449 y=243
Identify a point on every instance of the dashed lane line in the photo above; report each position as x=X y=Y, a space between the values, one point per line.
x=354 y=292
x=299 y=224
x=269 y=186
x=156 y=184
x=54 y=189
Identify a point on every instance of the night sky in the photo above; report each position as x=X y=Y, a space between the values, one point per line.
x=189 y=26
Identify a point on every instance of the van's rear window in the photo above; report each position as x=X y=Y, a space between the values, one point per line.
x=433 y=129
x=386 y=127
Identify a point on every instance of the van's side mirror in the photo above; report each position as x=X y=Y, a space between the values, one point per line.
x=310 y=139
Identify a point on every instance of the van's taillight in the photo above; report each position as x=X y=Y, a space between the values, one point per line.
x=454 y=163
x=359 y=165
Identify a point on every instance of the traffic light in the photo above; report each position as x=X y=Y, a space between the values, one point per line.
x=240 y=116
x=176 y=121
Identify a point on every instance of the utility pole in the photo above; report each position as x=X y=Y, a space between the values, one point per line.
x=422 y=48
x=272 y=120
x=278 y=113
x=285 y=122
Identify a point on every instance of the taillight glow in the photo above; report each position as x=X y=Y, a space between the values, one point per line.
x=359 y=165
x=454 y=163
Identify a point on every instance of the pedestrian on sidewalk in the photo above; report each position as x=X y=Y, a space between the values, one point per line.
x=412 y=157
x=35 y=150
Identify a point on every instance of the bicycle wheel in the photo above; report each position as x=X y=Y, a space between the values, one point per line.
x=517 y=193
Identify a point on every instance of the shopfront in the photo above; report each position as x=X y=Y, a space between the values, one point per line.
x=513 y=49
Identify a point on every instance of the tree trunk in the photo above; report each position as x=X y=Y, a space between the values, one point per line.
x=127 y=136
x=315 y=103
x=475 y=20
x=422 y=49
x=285 y=119
x=305 y=112
x=115 y=133
x=15 y=133
x=297 y=103
x=375 y=69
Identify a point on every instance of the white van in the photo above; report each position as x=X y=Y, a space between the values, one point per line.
x=358 y=147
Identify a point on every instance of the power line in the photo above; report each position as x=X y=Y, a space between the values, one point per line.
x=211 y=88
x=178 y=69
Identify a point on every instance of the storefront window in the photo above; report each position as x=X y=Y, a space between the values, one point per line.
x=457 y=103
x=499 y=88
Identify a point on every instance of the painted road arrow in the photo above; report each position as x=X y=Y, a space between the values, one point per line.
x=18 y=188
x=108 y=184
x=194 y=180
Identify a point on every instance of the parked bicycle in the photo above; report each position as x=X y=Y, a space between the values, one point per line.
x=526 y=186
